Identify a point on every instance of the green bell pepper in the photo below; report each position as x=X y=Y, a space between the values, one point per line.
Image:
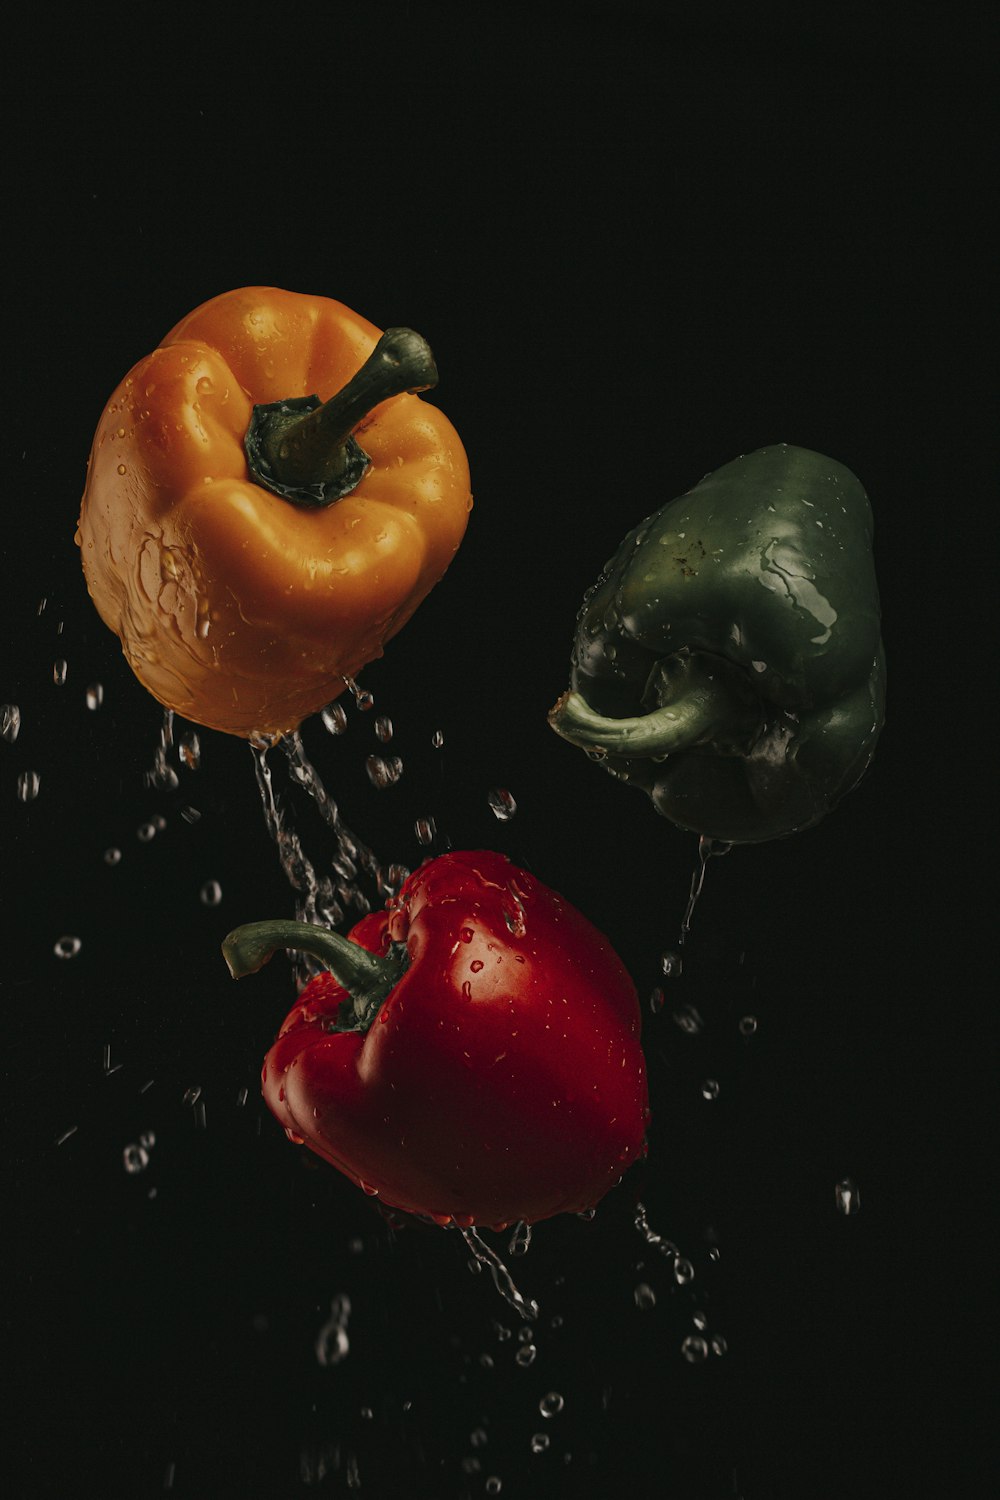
x=728 y=661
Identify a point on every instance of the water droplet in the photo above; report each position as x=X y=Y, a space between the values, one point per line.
x=332 y=1344
x=526 y=1355
x=211 y=893
x=189 y=751
x=710 y=1088
x=383 y=728
x=700 y=1321
x=122 y=469
x=28 y=784
x=41 y=604
x=112 y=856
x=379 y=772
x=60 y=670
x=95 y=696
x=425 y=830
x=748 y=1025
x=645 y=1297
x=688 y=1019
x=478 y=1439
x=715 y=1254
x=190 y=814
x=67 y=947
x=719 y=1345
x=10 y=722
x=502 y=804
x=848 y=1198
x=437 y=739
x=204 y=386
x=656 y=1000
x=334 y=718
x=587 y=1213
x=551 y=1405
x=683 y=1271
x=398 y=875
x=671 y=963
x=147 y=1140
x=145 y=832
x=539 y=1442
x=694 y=1349
x=191 y=1095
x=159 y=822
x=486 y=1360
x=493 y=1485
x=136 y=1159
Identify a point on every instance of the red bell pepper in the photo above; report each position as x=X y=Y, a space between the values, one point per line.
x=473 y=1054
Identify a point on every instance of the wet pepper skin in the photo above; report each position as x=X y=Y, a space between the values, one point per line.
x=502 y=1078
x=748 y=610
x=234 y=607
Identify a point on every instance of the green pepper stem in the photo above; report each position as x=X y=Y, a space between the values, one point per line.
x=367 y=977
x=706 y=705
x=303 y=450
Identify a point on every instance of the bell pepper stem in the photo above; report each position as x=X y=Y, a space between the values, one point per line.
x=367 y=977
x=706 y=704
x=303 y=450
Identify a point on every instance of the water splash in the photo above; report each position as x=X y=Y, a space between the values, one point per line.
x=161 y=774
x=526 y=1308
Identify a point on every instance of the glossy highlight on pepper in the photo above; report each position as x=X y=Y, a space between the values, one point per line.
x=473 y=1053
x=268 y=501
x=729 y=661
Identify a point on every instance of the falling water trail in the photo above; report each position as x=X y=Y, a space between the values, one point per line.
x=304 y=773
x=520 y=1240
x=317 y=903
x=527 y=1308
x=707 y=849
x=665 y=1247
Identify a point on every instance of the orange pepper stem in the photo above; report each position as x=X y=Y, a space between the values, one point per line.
x=303 y=449
x=367 y=977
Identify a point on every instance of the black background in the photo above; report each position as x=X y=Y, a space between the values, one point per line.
x=638 y=251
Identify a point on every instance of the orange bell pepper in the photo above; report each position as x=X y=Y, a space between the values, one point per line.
x=251 y=548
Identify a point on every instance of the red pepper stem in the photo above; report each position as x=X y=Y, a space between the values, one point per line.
x=365 y=976
x=303 y=449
